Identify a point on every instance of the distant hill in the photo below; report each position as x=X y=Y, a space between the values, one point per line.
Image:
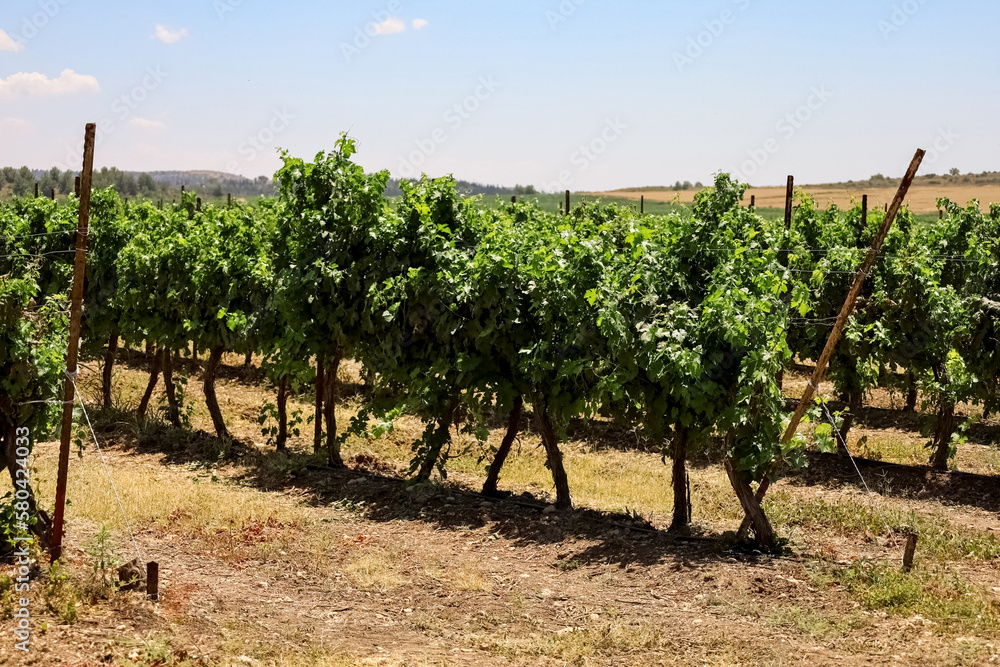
x=197 y=178
x=953 y=178
x=134 y=184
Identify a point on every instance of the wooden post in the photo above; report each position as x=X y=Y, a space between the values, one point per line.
x=852 y=296
x=567 y=202
x=197 y=205
x=911 y=548
x=182 y=192
x=753 y=201
x=940 y=214
x=642 y=204
x=789 y=195
x=36 y=190
x=76 y=186
x=153 y=581
x=513 y=199
x=229 y=200
x=76 y=312
x=53 y=194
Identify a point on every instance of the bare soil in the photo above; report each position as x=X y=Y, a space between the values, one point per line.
x=436 y=575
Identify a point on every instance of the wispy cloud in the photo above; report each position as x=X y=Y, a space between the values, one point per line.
x=168 y=35
x=390 y=26
x=420 y=23
x=7 y=43
x=35 y=84
x=14 y=124
x=147 y=123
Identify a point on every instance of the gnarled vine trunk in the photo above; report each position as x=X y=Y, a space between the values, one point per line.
x=318 y=418
x=154 y=376
x=211 y=400
x=911 y=393
x=947 y=424
x=440 y=438
x=173 y=409
x=513 y=426
x=682 y=499
x=330 y=409
x=282 y=440
x=854 y=407
x=554 y=458
x=751 y=505
x=109 y=366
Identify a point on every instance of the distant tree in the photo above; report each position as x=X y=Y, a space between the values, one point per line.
x=67 y=183
x=23 y=182
x=147 y=186
x=954 y=171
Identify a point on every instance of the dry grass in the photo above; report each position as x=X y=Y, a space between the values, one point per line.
x=469 y=576
x=575 y=645
x=198 y=501
x=921 y=198
x=377 y=569
x=186 y=501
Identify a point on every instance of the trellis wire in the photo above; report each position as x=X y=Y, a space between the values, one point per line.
x=107 y=470
x=864 y=482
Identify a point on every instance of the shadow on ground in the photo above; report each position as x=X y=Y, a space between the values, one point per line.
x=901 y=481
x=592 y=537
x=375 y=491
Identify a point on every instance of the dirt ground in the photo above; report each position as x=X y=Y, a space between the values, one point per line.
x=921 y=198
x=354 y=567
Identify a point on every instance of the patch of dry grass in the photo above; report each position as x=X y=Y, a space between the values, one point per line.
x=470 y=577
x=181 y=500
x=575 y=645
x=377 y=569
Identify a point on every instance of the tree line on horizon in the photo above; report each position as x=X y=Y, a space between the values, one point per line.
x=20 y=182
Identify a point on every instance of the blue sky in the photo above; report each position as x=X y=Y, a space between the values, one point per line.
x=584 y=94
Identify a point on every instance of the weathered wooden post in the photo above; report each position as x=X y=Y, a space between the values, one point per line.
x=76 y=313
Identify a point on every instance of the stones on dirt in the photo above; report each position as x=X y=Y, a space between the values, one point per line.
x=550 y=509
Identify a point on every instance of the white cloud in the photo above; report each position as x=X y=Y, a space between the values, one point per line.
x=35 y=84
x=8 y=44
x=168 y=36
x=14 y=124
x=420 y=23
x=147 y=123
x=390 y=26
